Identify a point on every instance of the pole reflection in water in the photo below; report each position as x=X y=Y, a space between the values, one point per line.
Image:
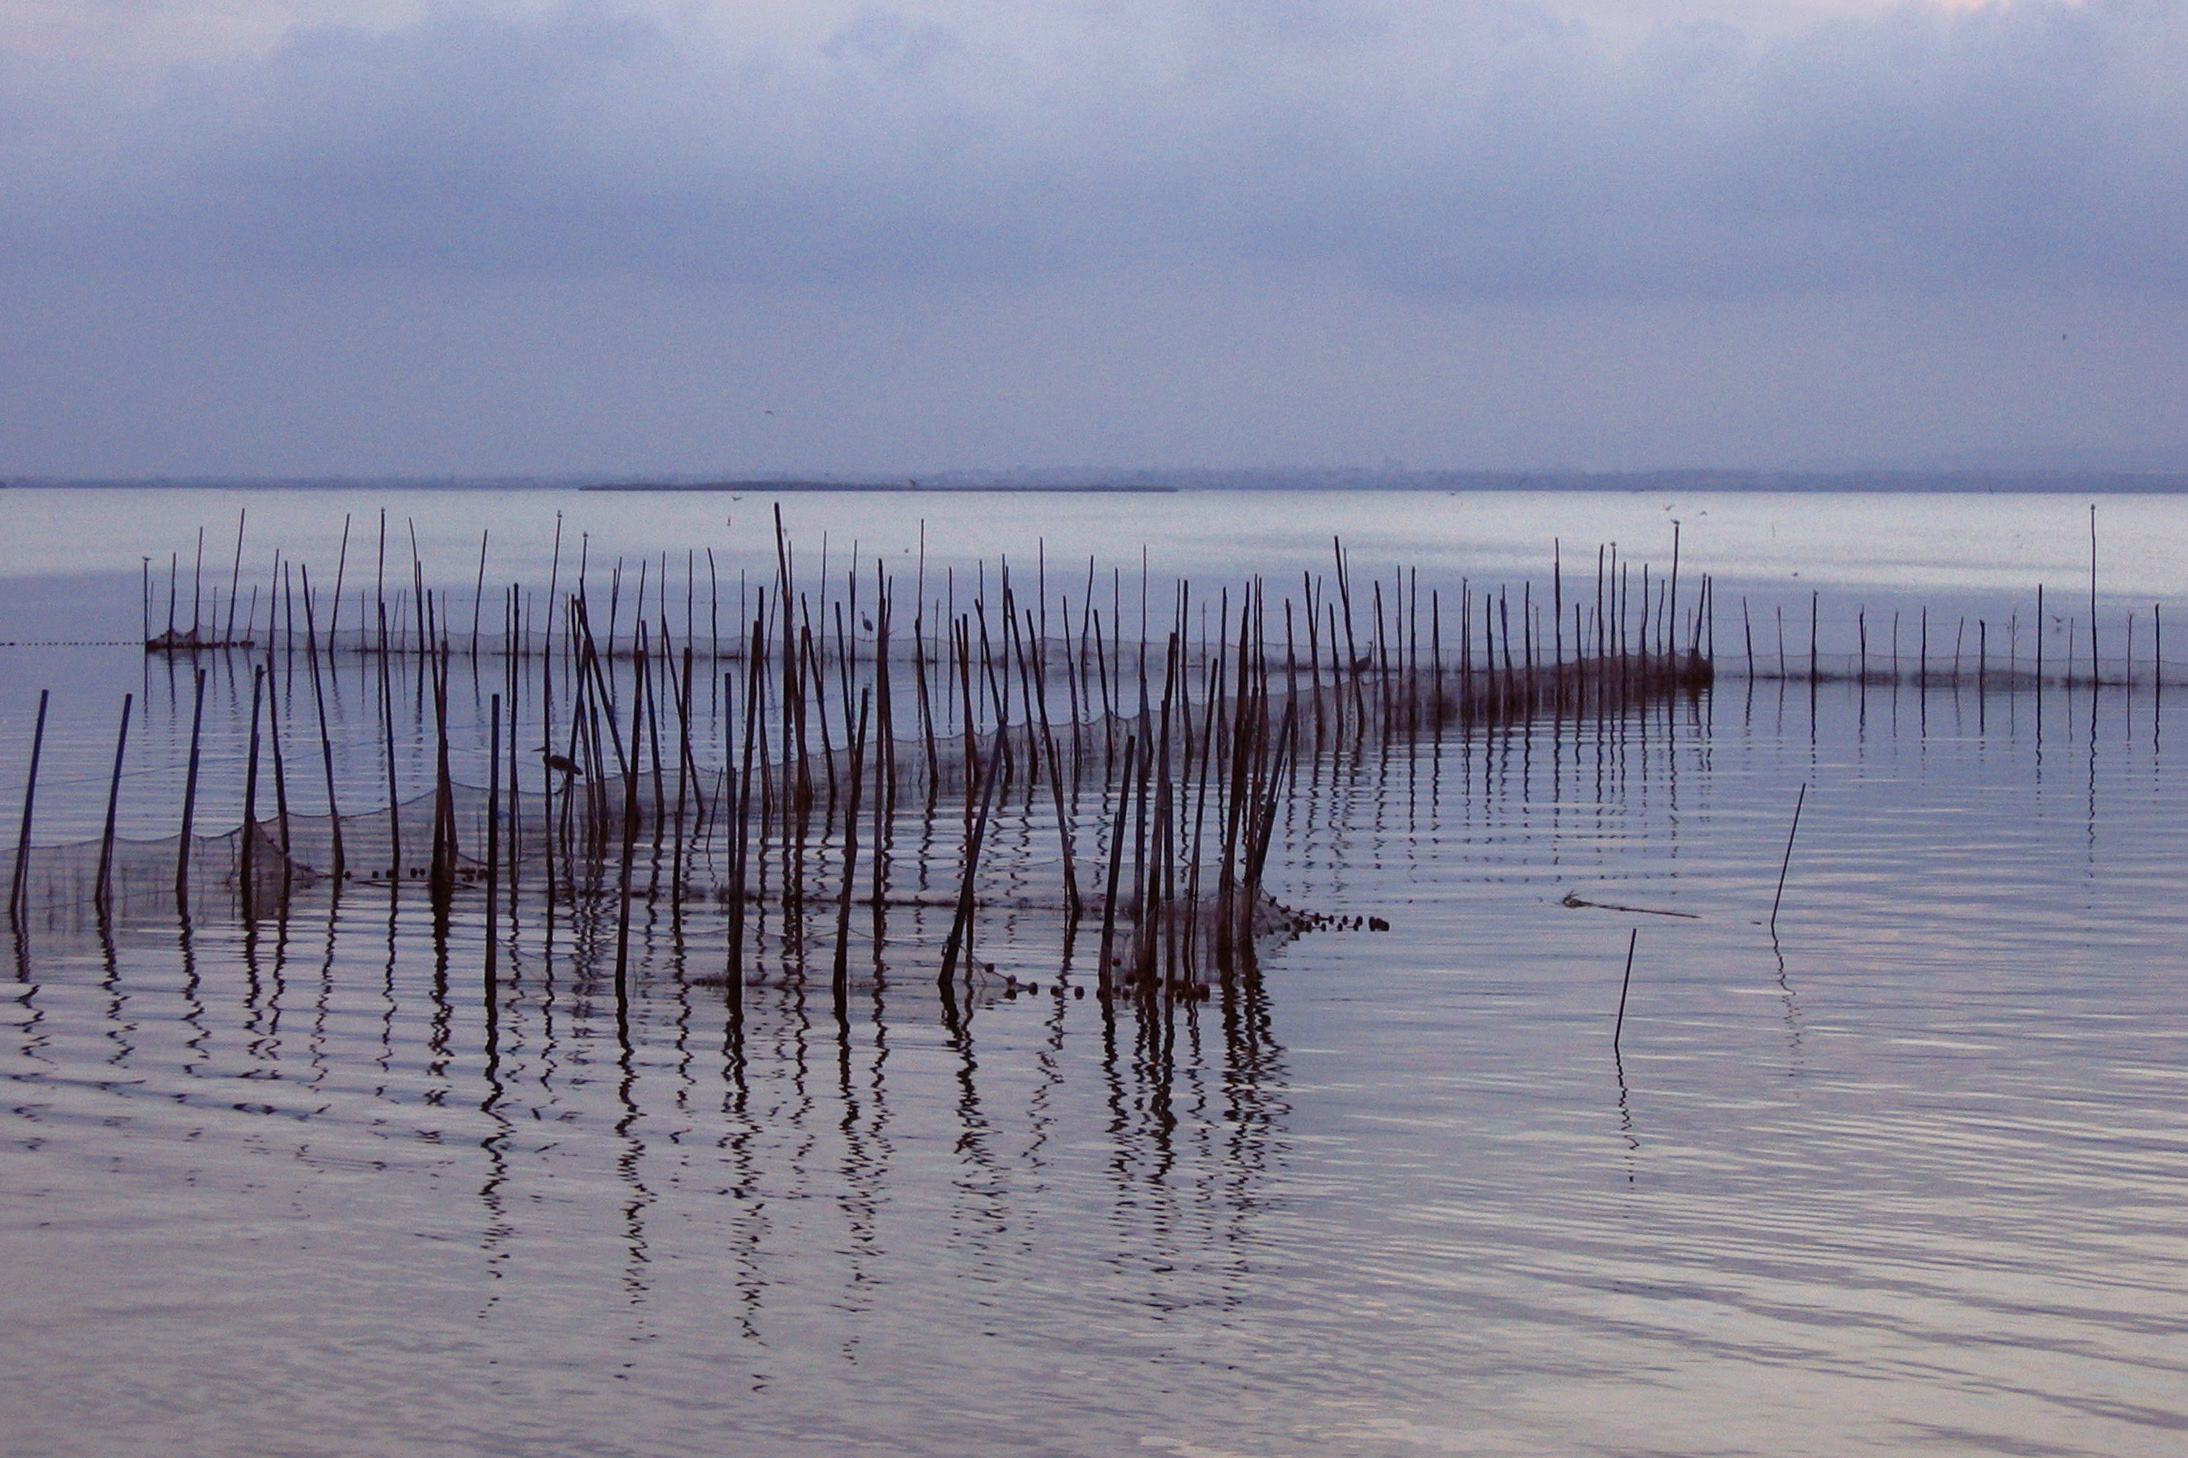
x=1905 y=1170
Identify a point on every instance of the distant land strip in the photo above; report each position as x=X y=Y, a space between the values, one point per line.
x=2057 y=481
x=763 y=488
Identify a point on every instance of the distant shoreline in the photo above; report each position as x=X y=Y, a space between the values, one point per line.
x=1245 y=482
x=778 y=488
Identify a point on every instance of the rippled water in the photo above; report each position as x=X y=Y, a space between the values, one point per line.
x=1905 y=1175
x=1909 y=1177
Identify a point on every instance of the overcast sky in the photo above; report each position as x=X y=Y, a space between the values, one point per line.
x=373 y=236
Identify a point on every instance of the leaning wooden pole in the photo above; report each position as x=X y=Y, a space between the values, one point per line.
x=326 y=740
x=190 y=802
x=1118 y=825
x=102 y=888
x=960 y=937
x=30 y=797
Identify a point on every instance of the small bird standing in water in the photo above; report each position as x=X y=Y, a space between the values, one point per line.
x=561 y=764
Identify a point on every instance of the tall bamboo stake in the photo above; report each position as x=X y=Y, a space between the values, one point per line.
x=30 y=797
x=189 y=802
x=105 y=882
x=247 y=881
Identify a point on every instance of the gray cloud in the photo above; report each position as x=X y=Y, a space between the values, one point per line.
x=1474 y=148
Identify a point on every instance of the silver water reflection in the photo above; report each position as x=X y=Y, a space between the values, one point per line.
x=1906 y=1175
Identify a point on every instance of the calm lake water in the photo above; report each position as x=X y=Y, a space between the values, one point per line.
x=1905 y=1175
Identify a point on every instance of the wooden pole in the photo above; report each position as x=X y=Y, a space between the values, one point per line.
x=630 y=830
x=30 y=796
x=319 y=697
x=2096 y=663
x=1632 y=939
x=1787 y=863
x=1116 y=863
x=478 y=595
x=104 y=885
x=842 y=972
x=246 y=880
x=960 y=937
x=190 y=802
x=493 y=836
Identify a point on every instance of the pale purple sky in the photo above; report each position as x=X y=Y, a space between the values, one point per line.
x=495 y=236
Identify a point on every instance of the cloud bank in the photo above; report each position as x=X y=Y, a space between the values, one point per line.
x=1475 y=148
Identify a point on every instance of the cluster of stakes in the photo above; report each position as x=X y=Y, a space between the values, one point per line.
x=768 y=769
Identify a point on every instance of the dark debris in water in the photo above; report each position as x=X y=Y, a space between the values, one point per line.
x=1572 y=899
x=1306 y=921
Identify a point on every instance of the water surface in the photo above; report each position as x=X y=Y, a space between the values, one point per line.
x=1904 y=1174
